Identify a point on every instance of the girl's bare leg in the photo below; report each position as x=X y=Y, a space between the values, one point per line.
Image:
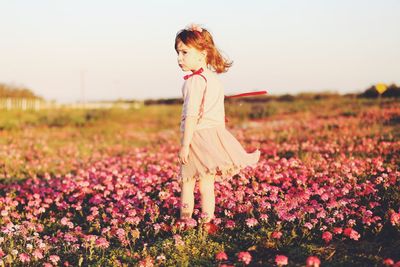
x=206 y=187
x=187 y=199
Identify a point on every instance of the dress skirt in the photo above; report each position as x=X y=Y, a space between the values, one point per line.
x=216 y=151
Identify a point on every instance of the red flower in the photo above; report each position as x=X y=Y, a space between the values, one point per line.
x=395 y=218
x=388 y=262
x=37 y=254
x=54 y=258
x=220 y=256
x=244 y=257
x=313 y=261
x=327 y=236
x=210 y=227
x=102 y=243
x=337 y=230
x=276 y=234
x=24 y=257
x=251 y=222
x=281 y=260
x=147 y=262
x=350 y=232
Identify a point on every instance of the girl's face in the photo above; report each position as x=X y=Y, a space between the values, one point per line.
x=190 y=58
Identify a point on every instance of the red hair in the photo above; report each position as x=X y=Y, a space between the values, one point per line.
x=203 y=41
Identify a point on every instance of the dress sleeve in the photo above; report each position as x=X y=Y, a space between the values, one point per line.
x=193 y=89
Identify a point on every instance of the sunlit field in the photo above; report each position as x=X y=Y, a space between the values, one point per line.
x=99 y=187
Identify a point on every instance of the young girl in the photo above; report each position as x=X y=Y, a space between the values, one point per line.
x=209 y=152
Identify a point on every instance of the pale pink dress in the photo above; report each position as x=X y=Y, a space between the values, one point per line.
x=213 y=149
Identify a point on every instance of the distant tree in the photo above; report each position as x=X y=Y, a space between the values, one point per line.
x=369 y=93
x=351 y=95
x=327 y=95
x=171 y=101
x=392 y=91
x=286 y=97
x=305 y=96
x=13 y=91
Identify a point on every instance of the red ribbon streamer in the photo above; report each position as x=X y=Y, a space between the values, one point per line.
x=247 y=94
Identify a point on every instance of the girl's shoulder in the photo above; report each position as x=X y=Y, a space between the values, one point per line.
x=195 y=82
x=197 y=76
x=206 y=76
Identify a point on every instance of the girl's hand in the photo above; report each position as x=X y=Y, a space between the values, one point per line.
x=183 y=155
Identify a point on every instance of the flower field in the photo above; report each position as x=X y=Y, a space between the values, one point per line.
x=325 y=192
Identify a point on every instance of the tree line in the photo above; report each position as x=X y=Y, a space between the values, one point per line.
x=392 y=91
x=14 y=91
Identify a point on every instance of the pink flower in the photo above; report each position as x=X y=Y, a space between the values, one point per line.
x=327 y=236
x=37 y=254
x=230 y=224
x=217 y=221
x=264 y=217
x=70 y=238
x=388 y=262
x=178 y=240
x=324 y=196
x=160 y=257
x=276 y=234
x=220 y=256
x=244 y=257
x=395 y=218
x=313 y=261
x=191 y=222
x=64 y=221
x=337 y=230
x=251 y=222
x=120 y=232
x=54 y=258
x=350 y=232
x=24 y=257
x=281 y=260
x=102 y=243
x=180 y=224
x=308 y=225
x=351 y=222
x=147 y=262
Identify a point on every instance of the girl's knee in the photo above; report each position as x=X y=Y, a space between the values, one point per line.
x=206 y=184
x=188 y=184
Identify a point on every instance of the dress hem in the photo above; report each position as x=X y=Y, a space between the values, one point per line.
x=222 y=173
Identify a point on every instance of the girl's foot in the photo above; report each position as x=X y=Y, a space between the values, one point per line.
x=185 y=224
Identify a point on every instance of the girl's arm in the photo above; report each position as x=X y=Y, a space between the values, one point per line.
x=194 y=88
x=190 y=124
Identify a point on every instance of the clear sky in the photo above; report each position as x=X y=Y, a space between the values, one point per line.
x=125 y=49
